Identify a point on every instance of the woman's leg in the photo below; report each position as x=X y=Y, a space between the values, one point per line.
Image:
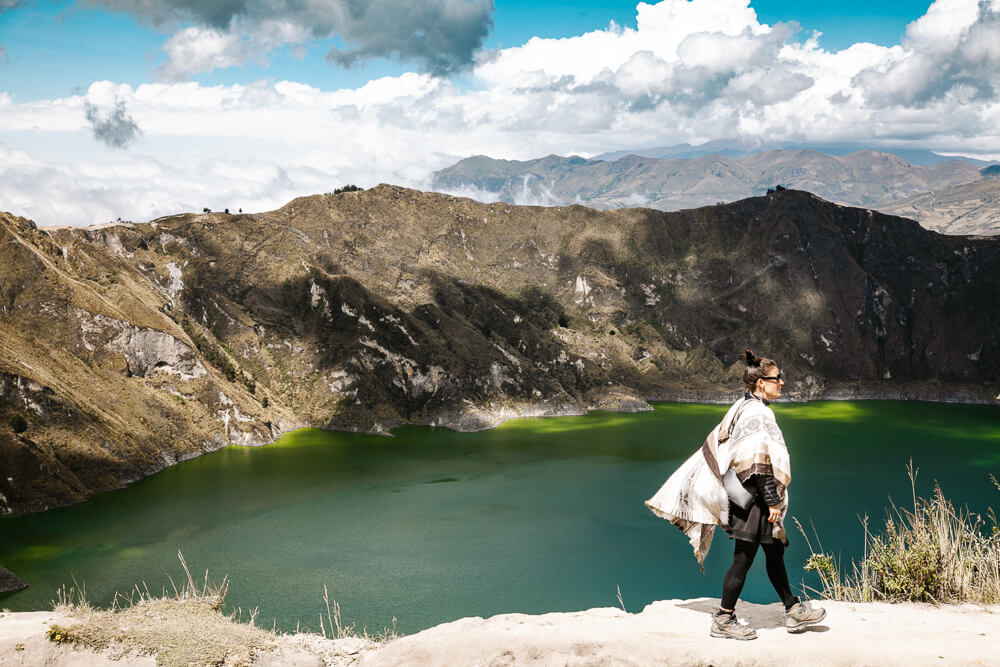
x=776 y=572
x=732 y=585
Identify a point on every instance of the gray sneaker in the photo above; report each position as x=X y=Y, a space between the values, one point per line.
x=801 y=615
x=727 y=626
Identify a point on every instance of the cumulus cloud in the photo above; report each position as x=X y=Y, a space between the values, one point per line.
x=682 y=55
x=952 y=51
x=440 y=36
x=201 y=49
x=139 y=188
x=113 y=127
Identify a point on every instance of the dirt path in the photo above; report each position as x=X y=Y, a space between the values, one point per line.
x=672 y=632
x=675 y=632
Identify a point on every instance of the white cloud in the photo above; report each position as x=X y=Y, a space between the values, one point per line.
x=952 y=53
x=204 y=49
x=440 y=36
x=198 y=49
x=690 y=72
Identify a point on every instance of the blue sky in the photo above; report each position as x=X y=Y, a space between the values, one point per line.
x=140 y=108
x=56 y=46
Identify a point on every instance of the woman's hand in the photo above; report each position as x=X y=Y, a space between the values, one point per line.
x=775 y=513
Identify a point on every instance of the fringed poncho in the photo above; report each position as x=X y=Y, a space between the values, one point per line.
x=694 y=499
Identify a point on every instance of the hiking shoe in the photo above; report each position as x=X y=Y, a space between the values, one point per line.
x=727 y=626
x=802 y=614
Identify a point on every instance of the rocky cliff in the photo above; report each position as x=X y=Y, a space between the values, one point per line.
x=128 y=347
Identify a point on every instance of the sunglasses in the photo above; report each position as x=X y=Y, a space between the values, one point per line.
x=776 y=377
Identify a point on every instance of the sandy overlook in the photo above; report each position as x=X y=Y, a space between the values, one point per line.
x=669 y=632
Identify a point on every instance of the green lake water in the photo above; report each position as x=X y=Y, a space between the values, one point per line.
x=537 y=515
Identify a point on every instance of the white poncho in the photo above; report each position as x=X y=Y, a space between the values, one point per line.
x=694 y=499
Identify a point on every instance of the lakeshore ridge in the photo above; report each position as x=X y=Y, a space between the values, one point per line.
x=126 y=348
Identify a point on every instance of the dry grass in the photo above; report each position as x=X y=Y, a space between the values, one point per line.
x=188 y=627
x=181 y=629
x=932 y=553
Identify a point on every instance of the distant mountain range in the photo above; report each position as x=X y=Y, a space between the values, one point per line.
x=737 y=148
x=972 y=208
x=864 y=178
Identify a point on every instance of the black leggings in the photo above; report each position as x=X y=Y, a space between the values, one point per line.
x=732 y=585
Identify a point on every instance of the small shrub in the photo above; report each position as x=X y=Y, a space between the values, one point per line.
x=933 y=553
x=564 y=322
x=347 y=188
x=206 y=210
x=59 y=634
x=215 y=356
x=18 y=423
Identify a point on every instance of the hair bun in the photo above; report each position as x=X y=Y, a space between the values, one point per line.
x=751 y=360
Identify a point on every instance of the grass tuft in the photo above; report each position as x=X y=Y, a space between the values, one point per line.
x=189 y=627
x=932 y=553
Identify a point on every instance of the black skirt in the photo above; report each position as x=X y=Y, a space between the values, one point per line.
x=751 y=525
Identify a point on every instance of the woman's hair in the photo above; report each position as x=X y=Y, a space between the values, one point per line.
x=757 y=367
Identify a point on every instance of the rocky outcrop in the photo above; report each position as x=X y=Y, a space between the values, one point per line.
x=128 y=348
x=146 y=350
x=10 y=582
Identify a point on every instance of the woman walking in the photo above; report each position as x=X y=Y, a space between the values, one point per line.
x=739 y=480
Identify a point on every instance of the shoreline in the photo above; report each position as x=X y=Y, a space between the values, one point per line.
x=11 y=583
x=483 y=419
x=667 y=632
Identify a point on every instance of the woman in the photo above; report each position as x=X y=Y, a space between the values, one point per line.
x=746 y=444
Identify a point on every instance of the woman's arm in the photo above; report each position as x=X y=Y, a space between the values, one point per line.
x=769 y=492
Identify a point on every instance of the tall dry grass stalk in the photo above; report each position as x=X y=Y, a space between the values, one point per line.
x=932 y=553
x=334 y=627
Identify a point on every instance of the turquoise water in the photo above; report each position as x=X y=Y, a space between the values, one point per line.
x=537 y=515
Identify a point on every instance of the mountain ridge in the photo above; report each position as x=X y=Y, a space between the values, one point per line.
x=129 y=347
x=738 y=148
x=864 y=178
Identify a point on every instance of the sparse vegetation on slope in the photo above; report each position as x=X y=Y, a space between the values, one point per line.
x=346 y=188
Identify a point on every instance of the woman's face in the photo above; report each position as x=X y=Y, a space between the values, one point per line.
x=770 y=388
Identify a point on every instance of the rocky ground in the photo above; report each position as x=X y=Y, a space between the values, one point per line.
x=671 y=632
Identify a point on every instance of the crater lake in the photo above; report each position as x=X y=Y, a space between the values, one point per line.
x=537 y=515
